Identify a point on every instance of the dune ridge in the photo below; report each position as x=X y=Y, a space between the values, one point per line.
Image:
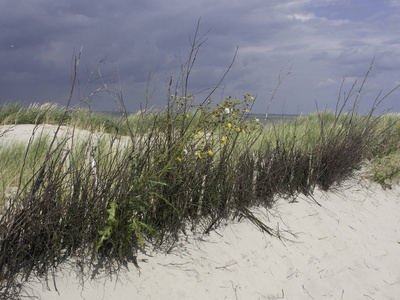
x=345 y=248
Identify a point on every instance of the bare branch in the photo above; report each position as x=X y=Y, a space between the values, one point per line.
x=280 y=80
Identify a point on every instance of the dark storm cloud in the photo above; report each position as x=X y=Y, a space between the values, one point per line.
x=321 y=41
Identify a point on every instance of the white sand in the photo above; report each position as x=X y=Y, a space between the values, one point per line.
x=22 y=133
x=348 y=248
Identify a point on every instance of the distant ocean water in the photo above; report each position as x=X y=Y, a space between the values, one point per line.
x=272 y=117
x=261 y=117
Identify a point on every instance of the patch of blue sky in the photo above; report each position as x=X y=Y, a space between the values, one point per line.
x=355 y=11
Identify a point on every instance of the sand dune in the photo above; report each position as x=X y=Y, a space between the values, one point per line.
x=348 y=247
x=22 y=133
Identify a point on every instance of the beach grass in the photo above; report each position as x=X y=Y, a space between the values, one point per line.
x=105 y=196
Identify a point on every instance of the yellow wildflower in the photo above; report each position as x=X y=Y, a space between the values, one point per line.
x=210 y=152
x=229 y=125
x=243 y=131
x=223 y=141
x=178 y=158
x=238 y=129
x=199 y=155
x=199 y=133
x=187 y=116
x=251 y=98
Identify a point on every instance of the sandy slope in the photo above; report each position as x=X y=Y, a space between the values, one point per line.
x=22 y=133
x=347 y=248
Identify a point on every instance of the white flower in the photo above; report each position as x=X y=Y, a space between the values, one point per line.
x=185 y=151
x=227 y=110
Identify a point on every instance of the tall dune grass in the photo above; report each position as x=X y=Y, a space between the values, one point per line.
x=153 y=184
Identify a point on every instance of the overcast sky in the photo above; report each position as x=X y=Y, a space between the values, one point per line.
x=319 y=41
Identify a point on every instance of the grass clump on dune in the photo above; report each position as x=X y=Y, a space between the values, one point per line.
x=157 y=172
x=52 y=113
x=14 y=157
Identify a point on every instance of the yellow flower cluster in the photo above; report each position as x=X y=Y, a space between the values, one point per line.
x=208 y=152
x=225 y=120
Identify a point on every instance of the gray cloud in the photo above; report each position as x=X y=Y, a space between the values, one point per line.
x=322 y=42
